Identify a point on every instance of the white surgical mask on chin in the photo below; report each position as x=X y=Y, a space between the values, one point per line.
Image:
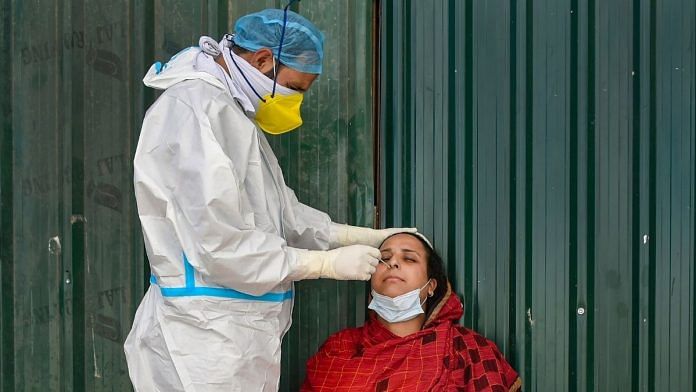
x=402 y=308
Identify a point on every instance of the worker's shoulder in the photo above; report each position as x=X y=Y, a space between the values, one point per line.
x=195 y=92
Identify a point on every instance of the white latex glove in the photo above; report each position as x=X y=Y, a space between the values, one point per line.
x=355 y=262
x=342 y=235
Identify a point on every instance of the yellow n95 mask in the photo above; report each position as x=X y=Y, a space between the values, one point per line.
x=280 y=113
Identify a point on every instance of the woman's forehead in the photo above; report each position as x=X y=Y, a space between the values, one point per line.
x=403 y=242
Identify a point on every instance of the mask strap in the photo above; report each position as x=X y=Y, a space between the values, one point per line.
x=427 y=296
x=244 y=76
x=426 y=283
x=280 y=47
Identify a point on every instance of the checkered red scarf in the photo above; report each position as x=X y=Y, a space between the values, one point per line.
x=441 y=357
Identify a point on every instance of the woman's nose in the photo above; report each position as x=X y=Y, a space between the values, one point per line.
x=394 y=263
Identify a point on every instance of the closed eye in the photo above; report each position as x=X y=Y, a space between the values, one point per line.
x=296 y=88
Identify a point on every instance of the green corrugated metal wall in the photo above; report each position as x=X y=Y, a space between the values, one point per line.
x=71 y=101
x=73 y=267
x=562 y=138
x=562 y=135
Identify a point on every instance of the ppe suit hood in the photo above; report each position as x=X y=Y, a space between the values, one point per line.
x=182 y=66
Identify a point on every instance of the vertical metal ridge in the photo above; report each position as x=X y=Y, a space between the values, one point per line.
x=387 y=68
x=408 y=129
x=693 y=227
x=222 y=18
x=7 y=347
x=652 y=199
x=512 y=192
x=148 y=98
x=529 y=171
x=469 y=299
x=204 y=22
x=136 y=92
x=591 y=159
x=133 y=131
x=635 y=201
x=452 y=147
x=77 y=263
x=63 y=92
x=573 y=202
x=376 y=109
x=149 y=46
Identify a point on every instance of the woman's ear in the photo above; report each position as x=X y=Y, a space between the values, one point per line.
x=432 y=285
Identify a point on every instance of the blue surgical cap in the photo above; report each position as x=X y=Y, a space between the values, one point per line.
x=303 y=45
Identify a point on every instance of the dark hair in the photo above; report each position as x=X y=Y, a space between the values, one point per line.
x=435 y=270
x=238 y=50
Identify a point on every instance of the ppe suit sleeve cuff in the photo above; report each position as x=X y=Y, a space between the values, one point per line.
x=306 y=264
x=345 y=235
x=338 y=235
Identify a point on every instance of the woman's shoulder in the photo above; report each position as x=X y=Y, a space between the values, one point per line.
x=486 y=360
x=345 y=340
x=472 y=341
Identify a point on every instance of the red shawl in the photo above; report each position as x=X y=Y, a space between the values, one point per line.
x=441 y=357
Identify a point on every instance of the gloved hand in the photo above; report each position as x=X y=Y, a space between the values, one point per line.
x=342 y=235
x=355 y=262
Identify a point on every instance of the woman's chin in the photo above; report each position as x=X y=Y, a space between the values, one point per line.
x=392 y=288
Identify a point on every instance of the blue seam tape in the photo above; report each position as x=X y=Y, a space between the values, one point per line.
x=192 y=291
x=189 y=273
x=223 y=293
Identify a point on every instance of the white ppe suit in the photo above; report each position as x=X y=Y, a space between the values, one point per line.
x=216 y=214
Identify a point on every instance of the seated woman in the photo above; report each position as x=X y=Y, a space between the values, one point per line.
x=411 y=341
